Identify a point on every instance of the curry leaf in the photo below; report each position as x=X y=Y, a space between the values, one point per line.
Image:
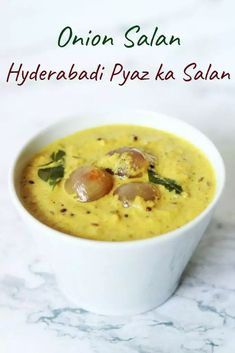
x=54 y=174
x=44 y=173
x=169 y=184
x=57 y=172
x=56 y=156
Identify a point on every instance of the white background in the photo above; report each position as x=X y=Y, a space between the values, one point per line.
x=34 y=316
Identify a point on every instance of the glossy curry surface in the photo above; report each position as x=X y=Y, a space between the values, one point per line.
x=109 y=149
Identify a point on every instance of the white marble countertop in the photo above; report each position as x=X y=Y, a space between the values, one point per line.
x=34 y=315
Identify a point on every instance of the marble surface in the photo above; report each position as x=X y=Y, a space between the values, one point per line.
x=35 y=317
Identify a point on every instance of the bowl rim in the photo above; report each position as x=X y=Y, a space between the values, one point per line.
x=126 y=243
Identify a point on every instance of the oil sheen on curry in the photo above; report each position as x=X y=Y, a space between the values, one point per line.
x=117 y=183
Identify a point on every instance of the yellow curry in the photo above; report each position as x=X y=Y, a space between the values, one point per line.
x=117 y=183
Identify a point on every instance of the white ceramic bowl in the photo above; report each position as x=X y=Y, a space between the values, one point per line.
x=118 y=277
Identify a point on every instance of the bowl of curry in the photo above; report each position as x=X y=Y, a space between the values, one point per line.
x=118 y=203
